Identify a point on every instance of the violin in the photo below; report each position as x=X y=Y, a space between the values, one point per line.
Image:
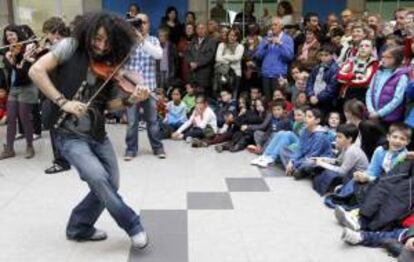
x=125 y=80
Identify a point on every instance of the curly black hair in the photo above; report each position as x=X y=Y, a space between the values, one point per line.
x=13 y=28
x=121 y=37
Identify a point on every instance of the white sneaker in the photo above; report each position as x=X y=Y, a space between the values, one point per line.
x=346 y=219
x=266 y=161
x=351 y=237
x=140 y=240
x=189 y=139
x=256 y=160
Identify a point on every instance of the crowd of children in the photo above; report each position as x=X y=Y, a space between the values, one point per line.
x=328 y=102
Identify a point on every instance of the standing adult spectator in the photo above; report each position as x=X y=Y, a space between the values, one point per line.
x=133 y=11
x=200 y=57
x=168 y=65
x=190 y=18
x=229 y=56
x=219 y=14
x=171 y=21
x=213 y=30
x=285 y=11
x=143 y=60
x=347 y=16
x=246 y=17
x=182 y=49
x=55 y=30
x=276 y=52
x=400 y=21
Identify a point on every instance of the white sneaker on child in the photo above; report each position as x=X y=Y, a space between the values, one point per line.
x=256 y=161
x=351 y=237
x=347 y=219
x=265 y=162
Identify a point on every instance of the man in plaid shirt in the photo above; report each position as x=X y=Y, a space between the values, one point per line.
x=143 y=60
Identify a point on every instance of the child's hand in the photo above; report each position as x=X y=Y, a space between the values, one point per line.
x=289 y=169
x=243 y=128
x=175 y=135
x=314 y=100
x=373 y=115
x=319 y=161
x=409 y=245
x=361 y=177
x=283 y=82
x=410 y=155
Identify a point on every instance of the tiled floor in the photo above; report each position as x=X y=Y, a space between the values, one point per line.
x=196 y=205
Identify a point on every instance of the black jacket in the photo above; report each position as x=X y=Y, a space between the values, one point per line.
x=204 y=55
x=389 y=200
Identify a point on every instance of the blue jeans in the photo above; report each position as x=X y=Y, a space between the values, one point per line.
x=278 y=141
x=97 y=165
x=153 y=129
x=375 y=239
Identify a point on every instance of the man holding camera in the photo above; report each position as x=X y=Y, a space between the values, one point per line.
x=143 y=60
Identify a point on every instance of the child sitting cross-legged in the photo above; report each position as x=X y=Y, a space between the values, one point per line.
x=351 y=158
x=202 y=123
x=313 y=142
x=281 y=140
x=176 y=113
x=276 y=121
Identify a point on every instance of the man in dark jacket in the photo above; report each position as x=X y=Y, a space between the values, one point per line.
x=201 y=56
x=167 y=66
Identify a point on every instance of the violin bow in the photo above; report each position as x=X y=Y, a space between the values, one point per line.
x=22 y=42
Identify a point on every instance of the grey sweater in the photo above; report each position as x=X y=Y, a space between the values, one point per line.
x=351 y=160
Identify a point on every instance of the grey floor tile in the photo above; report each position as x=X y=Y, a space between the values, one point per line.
x=249 y=184
x=168 y=234
x=209 y=200
x=272 y=171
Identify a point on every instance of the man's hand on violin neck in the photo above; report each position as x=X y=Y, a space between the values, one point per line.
x=76 y=108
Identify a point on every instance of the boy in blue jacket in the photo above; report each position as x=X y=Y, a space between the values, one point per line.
x=313 y=142
x=322 y=84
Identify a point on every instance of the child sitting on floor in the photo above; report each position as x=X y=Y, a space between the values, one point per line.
x=202 y=123
x=281 y=140
x=383 y=167
x=277 y=121
x=313 y=142
x=176 y=113
x=339 y=170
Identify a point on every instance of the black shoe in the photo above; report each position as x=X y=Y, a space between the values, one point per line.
x=160 y=153
x=393 y=247
x=56 y=168
x=236 y=148
x=299 y=174
x=219 y=148
x=98 y=235
x=196 y=142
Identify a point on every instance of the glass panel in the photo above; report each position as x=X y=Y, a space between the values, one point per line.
x=236 y=6
x=34 y=12
x=386 y=8
x=70 y=9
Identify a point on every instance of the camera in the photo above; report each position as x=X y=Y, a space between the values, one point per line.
x=136 y=23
